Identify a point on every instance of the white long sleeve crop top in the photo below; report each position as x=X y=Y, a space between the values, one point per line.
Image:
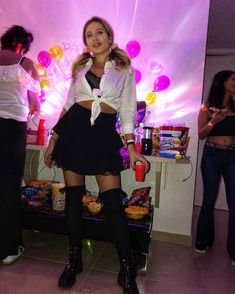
x=14 y=85
x=117 y=89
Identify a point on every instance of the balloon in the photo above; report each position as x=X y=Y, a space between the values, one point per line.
x=150 y=98
x=161 y=83
x=42 y=72
x=44 y=58
x=133 y=48
x=137 y=76
x=45 y=84
x=156 y=67
x=56 y=52
x=65 y=45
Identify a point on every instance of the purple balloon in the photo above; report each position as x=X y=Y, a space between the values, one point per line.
x=137 y=76
x=133 y=48
x=161 y=83
x=44 y=58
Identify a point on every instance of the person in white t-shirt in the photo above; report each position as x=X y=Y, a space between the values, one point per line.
x=85 y=142
x=19 y=88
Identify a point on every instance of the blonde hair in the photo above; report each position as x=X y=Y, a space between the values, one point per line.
x=122 y=60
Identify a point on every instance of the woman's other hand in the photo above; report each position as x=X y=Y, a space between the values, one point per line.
x=47 y=156
x=136 y=156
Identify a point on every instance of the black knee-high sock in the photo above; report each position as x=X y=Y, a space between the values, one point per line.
x=114 y=211
x=73 y=214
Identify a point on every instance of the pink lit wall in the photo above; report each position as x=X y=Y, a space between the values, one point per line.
x=171 y=35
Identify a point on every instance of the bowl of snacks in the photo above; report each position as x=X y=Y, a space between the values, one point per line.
x=94 y=207
x=87 y=198
x=136 y=212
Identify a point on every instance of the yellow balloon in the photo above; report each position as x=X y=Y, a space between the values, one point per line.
x=42 y=72
x=151 y=98
x=56 y=52
x=45 y=84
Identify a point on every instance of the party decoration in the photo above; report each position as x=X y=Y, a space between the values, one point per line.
x=56 y=52
x=156 y=67
x=42 y=72
x=45 y=84
x=151 y=98
x=44 y=58
x=161 y=83
x=133 y=48
x=65 y=45
x=137 y=76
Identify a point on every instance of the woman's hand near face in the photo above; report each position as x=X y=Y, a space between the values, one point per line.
x=218 y=114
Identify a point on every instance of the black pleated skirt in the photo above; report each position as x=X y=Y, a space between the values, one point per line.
x=86 y=149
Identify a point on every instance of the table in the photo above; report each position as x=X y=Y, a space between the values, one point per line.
x=95 y=227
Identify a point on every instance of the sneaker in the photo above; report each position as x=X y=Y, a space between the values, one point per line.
x=11 y=258
x=201 y=249
x=233 y=261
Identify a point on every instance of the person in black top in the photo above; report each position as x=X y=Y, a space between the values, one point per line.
x=216 y=124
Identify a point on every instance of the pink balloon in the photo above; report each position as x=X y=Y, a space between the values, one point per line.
x=133 y=48
x=137 y=76
x=44 y=58
x=161 y=83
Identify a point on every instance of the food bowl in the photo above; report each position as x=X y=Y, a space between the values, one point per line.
x=94 y=207
x=87 y=198
x=136 y=212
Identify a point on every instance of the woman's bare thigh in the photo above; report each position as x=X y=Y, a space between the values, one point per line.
x=73 y=179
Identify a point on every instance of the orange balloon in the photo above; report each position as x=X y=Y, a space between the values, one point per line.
x=56 y=52
x=45 y=84
x=151 y=98
x=42 y=72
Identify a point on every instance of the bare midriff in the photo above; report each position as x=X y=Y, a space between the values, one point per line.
x=104 y=107
x=222 y=140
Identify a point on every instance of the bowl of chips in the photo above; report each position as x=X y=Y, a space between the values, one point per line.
x=136 y=212
x=86 y=199
x=94 y=207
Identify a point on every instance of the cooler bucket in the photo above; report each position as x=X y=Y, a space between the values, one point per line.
x=173 y=141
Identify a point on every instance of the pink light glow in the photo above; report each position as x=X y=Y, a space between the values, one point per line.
x=170 y=43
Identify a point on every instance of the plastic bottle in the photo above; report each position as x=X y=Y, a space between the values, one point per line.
x=138 y=136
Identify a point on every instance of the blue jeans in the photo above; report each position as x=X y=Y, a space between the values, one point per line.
x=217 y=163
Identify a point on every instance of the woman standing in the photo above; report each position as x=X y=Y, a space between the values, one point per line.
x=18 y=97
x=85 y=142
x=216 y=124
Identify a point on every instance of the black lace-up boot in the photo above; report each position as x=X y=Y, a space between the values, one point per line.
x=114 y=211
x=74 y=267
x=127 y=276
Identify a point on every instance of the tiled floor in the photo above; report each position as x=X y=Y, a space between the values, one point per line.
x=172 y=269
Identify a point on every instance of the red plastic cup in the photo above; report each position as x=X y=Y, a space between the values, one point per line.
x=140 y=172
